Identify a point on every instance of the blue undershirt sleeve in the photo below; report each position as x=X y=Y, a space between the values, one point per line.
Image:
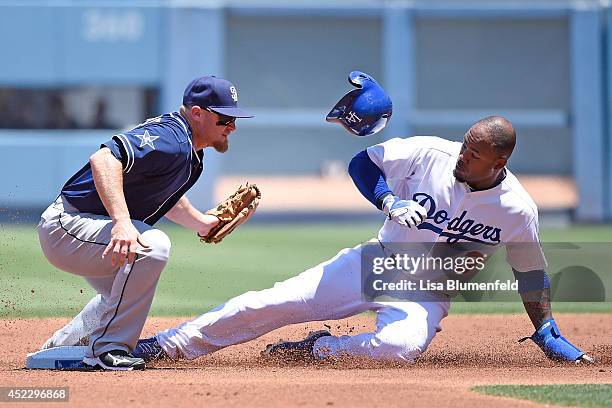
x=369 y=179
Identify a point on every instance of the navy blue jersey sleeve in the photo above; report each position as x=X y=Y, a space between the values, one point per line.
x=118 y=149
x=143 y=150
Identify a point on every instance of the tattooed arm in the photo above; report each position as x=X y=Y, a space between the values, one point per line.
x=534 y=288
x=537 y=305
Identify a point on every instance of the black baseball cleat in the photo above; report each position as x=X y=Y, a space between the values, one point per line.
x=149 y=349
x=295 y=350
x=115 y=360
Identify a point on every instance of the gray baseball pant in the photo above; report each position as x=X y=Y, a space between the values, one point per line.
x=74 y=242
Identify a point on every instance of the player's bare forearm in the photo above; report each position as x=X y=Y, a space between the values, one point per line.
x=185 y=214
x=537 y=305
x=107 y=173
x=108 y=177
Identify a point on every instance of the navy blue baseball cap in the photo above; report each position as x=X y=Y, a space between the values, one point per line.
x=219 y=95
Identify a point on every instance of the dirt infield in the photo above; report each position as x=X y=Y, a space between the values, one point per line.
x=471 y=350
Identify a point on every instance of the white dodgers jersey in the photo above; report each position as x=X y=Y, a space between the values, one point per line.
x=420 y=168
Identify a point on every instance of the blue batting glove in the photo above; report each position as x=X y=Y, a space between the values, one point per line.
x=405 y=212
x=554 y=345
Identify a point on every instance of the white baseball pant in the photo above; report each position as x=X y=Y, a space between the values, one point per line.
x=330 y=290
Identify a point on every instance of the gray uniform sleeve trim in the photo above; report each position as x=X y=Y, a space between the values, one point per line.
x=127 y=146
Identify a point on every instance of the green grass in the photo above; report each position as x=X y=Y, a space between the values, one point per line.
x=517 y=307
x=576 y=395
x=199 y=276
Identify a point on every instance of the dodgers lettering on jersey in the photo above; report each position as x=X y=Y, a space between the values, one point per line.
x=460 y=228
x=420 y=168
x=159 y=166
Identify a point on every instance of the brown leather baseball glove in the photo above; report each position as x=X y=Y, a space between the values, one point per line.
x=232 y=212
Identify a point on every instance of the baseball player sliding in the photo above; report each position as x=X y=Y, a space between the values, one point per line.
x=101 y=225
x=432 y=190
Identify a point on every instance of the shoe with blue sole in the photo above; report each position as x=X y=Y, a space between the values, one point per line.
x=149 y=349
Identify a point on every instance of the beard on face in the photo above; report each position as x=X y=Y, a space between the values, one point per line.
x=458 y=177
x=221 y=146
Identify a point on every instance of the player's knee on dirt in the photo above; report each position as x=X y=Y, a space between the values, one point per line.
x=159 y=245
x=402 y=342
x=399 y=349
